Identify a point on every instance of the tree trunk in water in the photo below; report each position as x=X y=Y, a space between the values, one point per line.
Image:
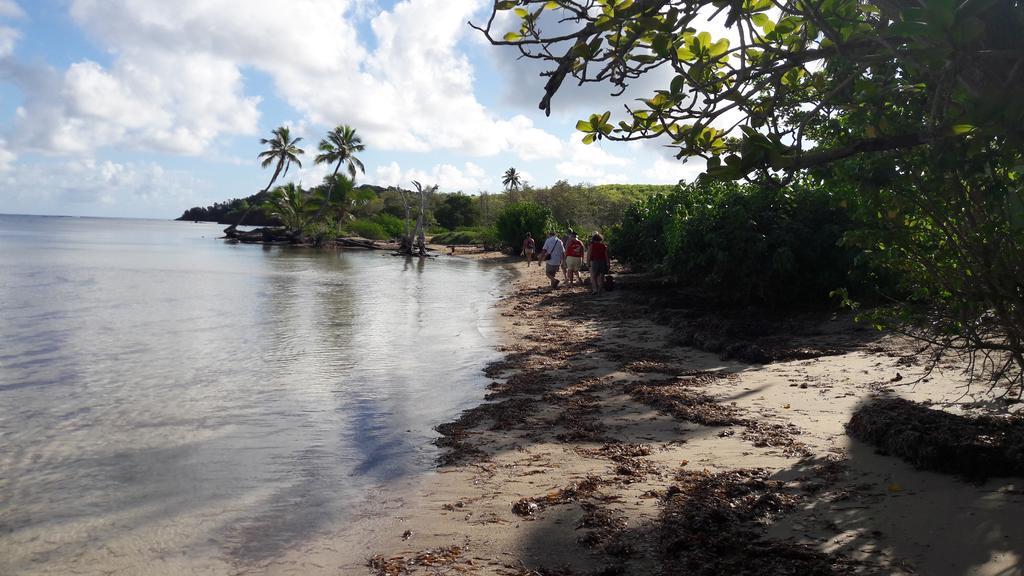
x=421 y=240
x=405 y=243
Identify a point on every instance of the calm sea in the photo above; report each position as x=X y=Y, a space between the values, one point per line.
x=166 y=395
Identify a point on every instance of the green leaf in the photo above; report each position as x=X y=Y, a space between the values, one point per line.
x=644 y=58
x=505 y=5
x=959 y=129
x=623 y=4
x=787 y=25
x=552 y=5
x=720 y=47
x=521 y=12
x=659 y=100
x=512 y=37
x=677 y=85
x=763 y=22
x=910 y=28
x=589 y=139
x=584 y=126
x=661 y=45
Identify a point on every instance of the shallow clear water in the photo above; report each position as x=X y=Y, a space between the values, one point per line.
x=164 y=393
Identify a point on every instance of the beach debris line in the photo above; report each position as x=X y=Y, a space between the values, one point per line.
x=712 y=524
x=975 y=447
x=447 y=556
x=573 y=492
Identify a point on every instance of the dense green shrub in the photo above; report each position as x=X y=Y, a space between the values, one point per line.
x=368 y=229
x=743 y=244
x=480 y=235
x=392 y=225
x=515 y=220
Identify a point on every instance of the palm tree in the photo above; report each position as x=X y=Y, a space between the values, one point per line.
x=334 y=196
x=511 y=180
x=339 y=147
x=290 y=205
x=284 y=151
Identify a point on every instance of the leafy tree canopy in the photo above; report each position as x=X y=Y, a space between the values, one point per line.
x=747 y=79
x=456 y=210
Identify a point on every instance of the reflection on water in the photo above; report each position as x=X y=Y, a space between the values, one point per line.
x=176 y=403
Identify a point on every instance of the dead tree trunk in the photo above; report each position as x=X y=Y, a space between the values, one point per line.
x=416 y=243
x=421 y=225
x=405 y=242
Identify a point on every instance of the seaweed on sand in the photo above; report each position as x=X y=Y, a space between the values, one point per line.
x=604 y=529
x=974 y=447
x=447 y=556
x=684 y=403
x=526 y=382
x=504 y=415
x=573 y=492
x=712 y=524
x=679 y=398
x=628 y=459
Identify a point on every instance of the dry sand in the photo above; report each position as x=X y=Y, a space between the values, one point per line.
x=604 y=446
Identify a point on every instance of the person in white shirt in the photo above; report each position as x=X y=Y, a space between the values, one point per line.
x=552 y=246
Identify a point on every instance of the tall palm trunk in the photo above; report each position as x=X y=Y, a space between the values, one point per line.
x=230 y=230
x=334 y=182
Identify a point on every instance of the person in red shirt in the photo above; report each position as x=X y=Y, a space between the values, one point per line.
x=574 y=259
x=597 y=257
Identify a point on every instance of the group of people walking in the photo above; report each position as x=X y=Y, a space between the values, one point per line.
x=568 y=255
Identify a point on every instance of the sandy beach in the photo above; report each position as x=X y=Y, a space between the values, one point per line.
x=607 y=448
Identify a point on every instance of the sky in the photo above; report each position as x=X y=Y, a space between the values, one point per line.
x=144 y=108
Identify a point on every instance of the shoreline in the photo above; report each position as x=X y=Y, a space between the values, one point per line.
x=605 y=448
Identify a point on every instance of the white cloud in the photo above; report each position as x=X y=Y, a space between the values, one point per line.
x=176 y=80
x=10 y=9
x=8 y=40
x=87 y=186
x=389 y=174
x=177 y=103
x=530 y=143
x=470 y=178
x=593 y=164
x=7 y=157
x=9 y=36
x=670 y=171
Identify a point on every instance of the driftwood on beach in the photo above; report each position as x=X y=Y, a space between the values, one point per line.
x=261 y=235
x=282 y=235
x=358 y=243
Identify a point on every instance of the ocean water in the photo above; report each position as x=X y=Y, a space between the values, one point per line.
x=165 y=395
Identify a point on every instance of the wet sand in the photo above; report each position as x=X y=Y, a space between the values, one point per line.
x=604 y=448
